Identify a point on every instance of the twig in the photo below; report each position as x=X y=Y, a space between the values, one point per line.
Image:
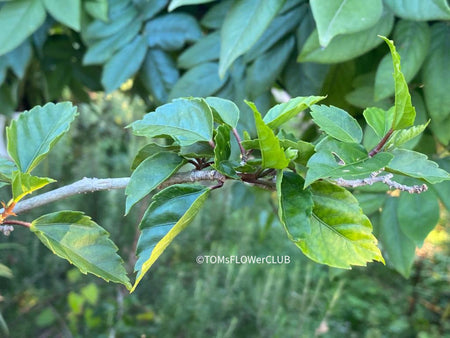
x=241 y=148
x=17 y=222
x=381 y=144
x=386 y=179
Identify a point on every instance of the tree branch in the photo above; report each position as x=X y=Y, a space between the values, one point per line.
x=381 y=144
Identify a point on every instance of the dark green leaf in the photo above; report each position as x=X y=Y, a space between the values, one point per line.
x=66 y=12
x=420 y=10
x=6 y=169
x=222 y=152
x=341 y=235
x=399 y=249
x=272 y=154
x=172 y=31
x=185 y=120
x=370 y=202
x=414 y=164
x=362 y=97
x=23 y=184
x=244 y=23
x=294 y=205
x=344 y=17
x=413 y=39
x=85 y=244
x=151 y=149
x=202 y=80
x=170 y=213
x=283 y=112
x=214 y=18
x=348 y=46
x=35 y=132
x=337 y=123
x=149 y=174
x=204 y=50
x=18 y=59
x=18 y=20
x=418 y=214
x=405 y=113
x=149 y=8
x=159 y=74
x=197 y=150
x=124 y=64
x=224 y=111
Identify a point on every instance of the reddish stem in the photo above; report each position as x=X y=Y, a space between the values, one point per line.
x=381 y=144
x=16 y=222
x=238 y=139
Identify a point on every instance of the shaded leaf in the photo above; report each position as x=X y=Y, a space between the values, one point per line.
x=222 y=152
x=185 y=120
x=97 y=8
x=344 y=17
x=204 y=50
x=6 y=169
x=23 y=184
x=178 y=3
x=422 y=10
x=214 y=18
x=170 y=213
x=75 y=237
x=149 y=174
x=294 y=205
x=341 y=235
x=66 y=12
x=36 y=131
x=151 y=149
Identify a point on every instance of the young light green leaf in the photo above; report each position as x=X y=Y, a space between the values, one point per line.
x=379 y=120
x=283 y=112
x=124 y=64
x=294 y=205
x=75 y=237
x=348 y=46
x=414 y=164
x=337 y=123
x=344 y=17
x=178 y=3
x=66 y=12
x=12 y=18
x=399 y=249
x=150 y=150
x=222 y=152
x=224 y=111
x=189 y=85
x=185 y=120
x=413 y=39
x=272 y=154
x=304 y=150
x=23 y=184
x=334 y=159
x=418 y=214
x=436 y=72
x=149 y=174
x=36 y=131
x=244 y=23
x=170 y=213
x=341 y=235
x=400 y=137
x=6 y=169
x=405 y=113
x=420 y=10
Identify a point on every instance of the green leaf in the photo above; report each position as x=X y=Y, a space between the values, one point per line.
x=178 y=3
x=159 y=74
x=185 y=120
x=149 y=174
x=36 y=131
x=149 y=8
x=224 y=111
x=414 y=164
x=189 y=84
x=23 y=184
x=214 y=18
x=405 y=113
x=436 y=72
x=400 y=137
x=5 y=271
x=272 y=154
x=418 y=214
x=294 y=205
x=244 y=23
x=197 y=150
x=283 y=112
x=170 y=213
x=337 y=123
x=75 y=237
x=206 y=49
x=335 y=159
x=18 y=20
x=344 y=17
x=222 y=152
x=420 y=10
x=172 y=31
x=6 y=169
x=304 y=150
x=151 y=149
x=413 y=39
x=341 y=235
x=379 y=120
x=124 y=64
x=399 y=249
x=66 y=12
x=97 y=8
x=348 y=46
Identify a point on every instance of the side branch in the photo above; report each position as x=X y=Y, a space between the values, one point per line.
x=386 y=179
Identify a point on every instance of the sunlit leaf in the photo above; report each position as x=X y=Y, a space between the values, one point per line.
x=23 y=184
